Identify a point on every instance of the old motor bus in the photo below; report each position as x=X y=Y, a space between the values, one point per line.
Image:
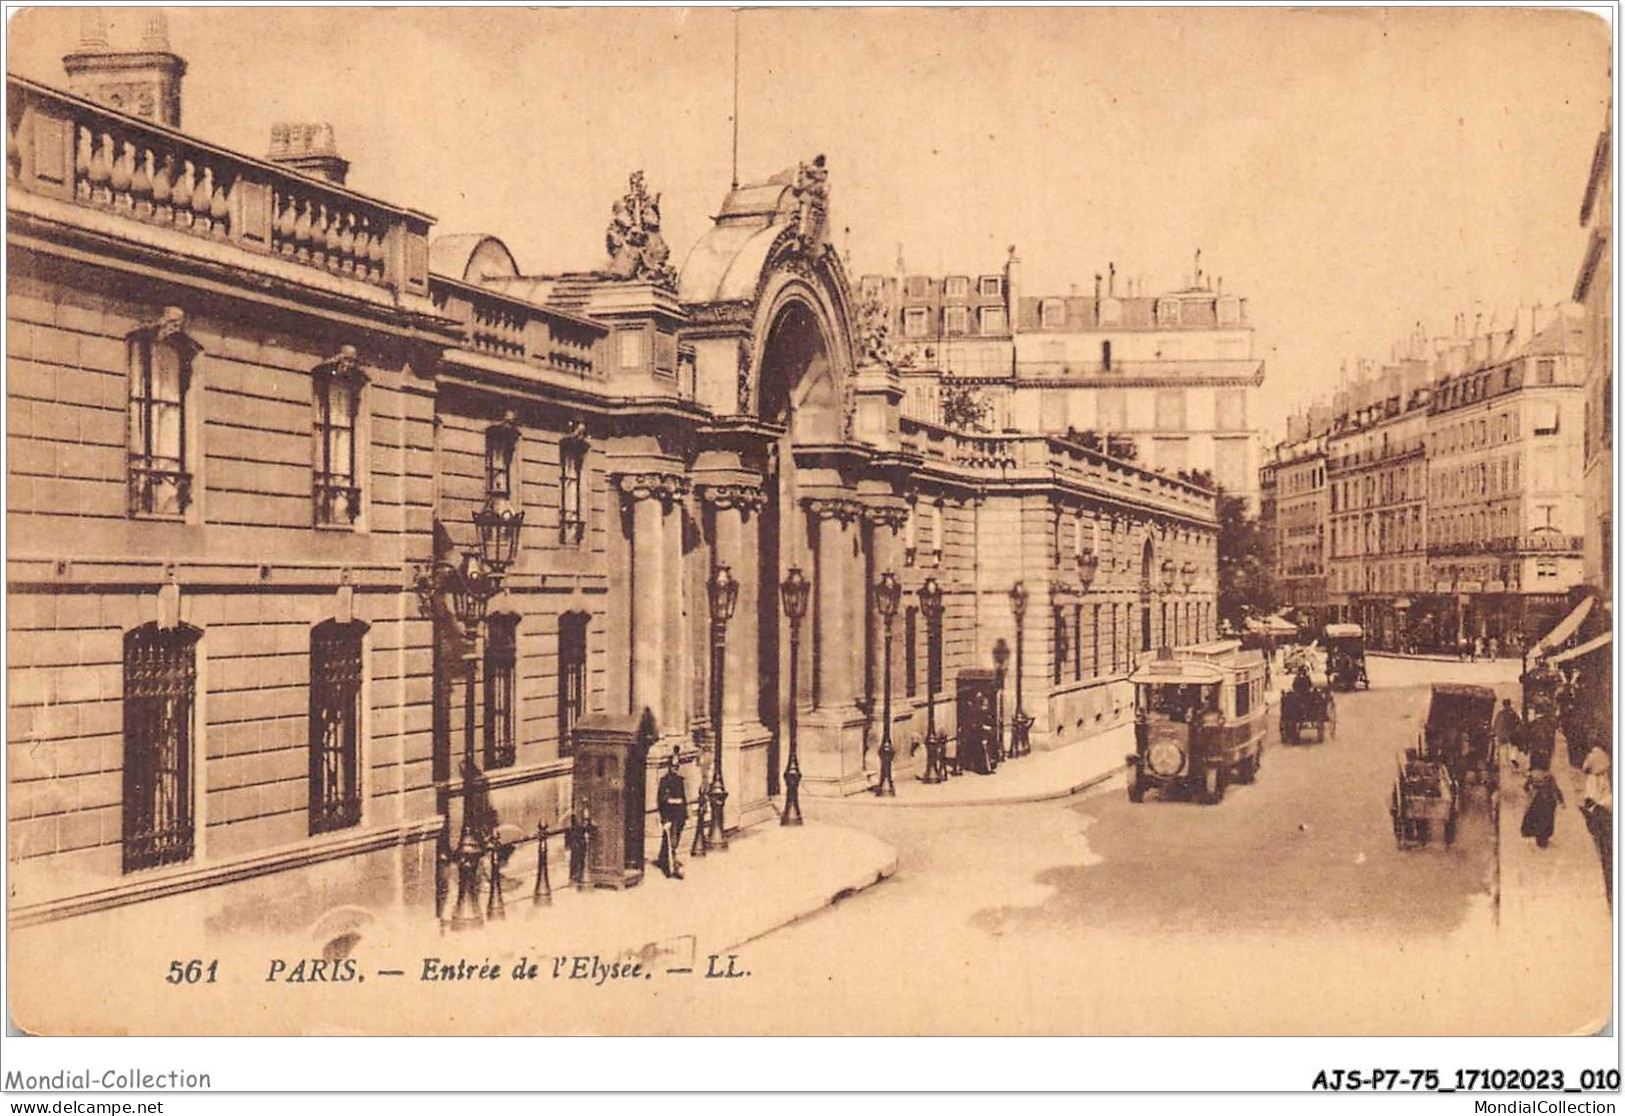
x=1199 y=716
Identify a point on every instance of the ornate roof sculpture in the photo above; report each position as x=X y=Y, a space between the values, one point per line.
x=636 y=248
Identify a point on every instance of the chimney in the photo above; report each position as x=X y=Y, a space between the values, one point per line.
x=1012 y=288
x=1097 y=286
x=144 y=81
x=1111 y=280
x=308 y=149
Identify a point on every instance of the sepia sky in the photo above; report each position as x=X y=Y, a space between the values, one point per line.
x=1349 y=171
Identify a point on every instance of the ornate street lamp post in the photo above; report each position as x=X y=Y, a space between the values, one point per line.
x=1020 y=723
x=724 y=592
x=936 y=745
x=888 y=594
x=1187 y=579
x=463 y=593
x=1169 y=572
x=793 y=591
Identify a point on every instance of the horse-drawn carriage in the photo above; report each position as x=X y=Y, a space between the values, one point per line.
x=1308 y=700
x=1424 y=801
x=1345 y=656
x=1459 y=732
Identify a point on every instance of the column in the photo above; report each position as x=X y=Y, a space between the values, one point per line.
x=652 y=588
x=837 y=584
x=886 y=524
x=734 y=508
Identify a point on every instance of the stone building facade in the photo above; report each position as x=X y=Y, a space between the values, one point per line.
x=1173 y=374
x=252 y=410
x=1594 y=289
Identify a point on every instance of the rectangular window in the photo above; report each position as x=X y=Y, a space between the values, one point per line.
x=1168 y=312
x=1114 y=638
x=916 y=322
x=1059 y=620
x=918 y=286
x=500 y=442
x=1545 y=569
x=1051 y=314
x=160 y=373
x=990 y=286
x=572 y=676
x=992 y=320
x=335 y=726
x=956 y=286
x=1111 y=410
x=160 y=692
x=1170 y=410
x=572 y=515
x=1095 y=663
x=1230 y=409
x=933 y=656
x=911 y=651
x=1077 y=643
x=337 y=399
x=955 y=320
x=1545 y=371
x=501 y=669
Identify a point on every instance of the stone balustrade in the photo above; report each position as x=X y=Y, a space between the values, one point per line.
x=65 y=147
x=1028 y=456
x=501 y=326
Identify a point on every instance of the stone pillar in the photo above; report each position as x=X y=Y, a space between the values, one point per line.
x=832 y=733
x=886 y=525
x=652 y=496
x=745 y=739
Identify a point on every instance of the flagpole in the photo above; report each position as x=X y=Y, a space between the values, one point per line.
x=736 y=101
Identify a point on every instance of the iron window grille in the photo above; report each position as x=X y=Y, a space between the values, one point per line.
x=336 y=491
x=1077 y=643
x=500 y=443
x=501 y=668
x=572 y=677
x=1059 y=620
x=160 y=373
x=160 y=694
x=335 y=725
x=572 y=464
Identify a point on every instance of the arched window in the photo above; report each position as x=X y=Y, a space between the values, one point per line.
x=160 y=378
x=160 y=695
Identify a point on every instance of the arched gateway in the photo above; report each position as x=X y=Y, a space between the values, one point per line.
x=771 y=324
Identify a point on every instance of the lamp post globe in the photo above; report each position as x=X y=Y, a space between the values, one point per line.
x=1088 y=566
x=498 y=524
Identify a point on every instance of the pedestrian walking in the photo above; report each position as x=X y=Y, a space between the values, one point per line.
x=1477 y=648
x=1540 y=816
x=1509 y=731
x=672 y=797
x=1540 y=735
x=1598 y=810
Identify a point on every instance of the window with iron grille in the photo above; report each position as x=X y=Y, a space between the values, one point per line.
x=572 y=676
x=1077 y=643
x=1059 y=620
x=911 y=651
x=1096 y=659
x=335 y=725
x=572 y=516
x=501 y=670
x=501 y=442
x=336 y=388
x=160 y=373
x=160 y=693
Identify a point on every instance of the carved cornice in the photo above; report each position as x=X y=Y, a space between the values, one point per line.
x=666 y=487
x=745 y=497
x=826 y=507
x=887 y=515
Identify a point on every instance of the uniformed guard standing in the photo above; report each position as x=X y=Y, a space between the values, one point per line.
x=672 y=798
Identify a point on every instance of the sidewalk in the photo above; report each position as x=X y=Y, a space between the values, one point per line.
x=1552 y=896
x=1032 y=778
x=769 y=877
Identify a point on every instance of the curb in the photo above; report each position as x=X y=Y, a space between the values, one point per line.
x=868 y=798
x=862 y=881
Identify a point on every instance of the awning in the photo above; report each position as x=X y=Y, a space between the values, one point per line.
x=1585 y=648
x=1566 y=626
